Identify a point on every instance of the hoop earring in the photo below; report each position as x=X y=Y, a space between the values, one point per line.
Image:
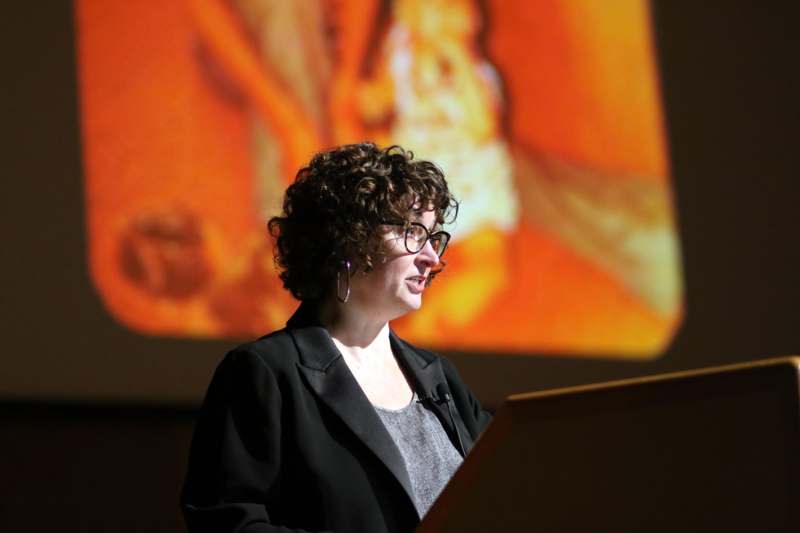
x=343 y=293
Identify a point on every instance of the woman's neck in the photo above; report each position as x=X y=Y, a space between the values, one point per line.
x=355 y=329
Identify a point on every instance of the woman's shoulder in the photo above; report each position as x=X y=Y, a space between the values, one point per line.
x=275 y=351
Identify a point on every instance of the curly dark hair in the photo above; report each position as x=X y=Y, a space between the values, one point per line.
x=333 y=209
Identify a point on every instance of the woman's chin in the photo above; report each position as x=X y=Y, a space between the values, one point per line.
x=408 y=304
x=414 y=302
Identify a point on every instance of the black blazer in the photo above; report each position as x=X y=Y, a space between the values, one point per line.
x=287 y=440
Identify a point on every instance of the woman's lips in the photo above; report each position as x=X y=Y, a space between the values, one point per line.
x=416 y=284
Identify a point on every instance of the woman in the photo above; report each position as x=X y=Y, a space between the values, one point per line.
x=334 y=423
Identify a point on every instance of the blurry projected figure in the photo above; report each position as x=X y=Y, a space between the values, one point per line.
x=429 y=86
x=544 y=117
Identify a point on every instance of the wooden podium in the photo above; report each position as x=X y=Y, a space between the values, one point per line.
x=707 y=450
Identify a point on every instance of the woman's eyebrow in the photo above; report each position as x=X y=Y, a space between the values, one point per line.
x=417 y=217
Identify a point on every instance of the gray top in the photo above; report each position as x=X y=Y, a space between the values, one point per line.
x=429 y=455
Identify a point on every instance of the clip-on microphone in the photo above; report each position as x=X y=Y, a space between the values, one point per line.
x=442 y=395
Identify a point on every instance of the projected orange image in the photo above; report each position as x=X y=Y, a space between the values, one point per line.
x=545 y=117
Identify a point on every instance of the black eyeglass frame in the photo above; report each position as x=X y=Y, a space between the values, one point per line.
x=441 y=236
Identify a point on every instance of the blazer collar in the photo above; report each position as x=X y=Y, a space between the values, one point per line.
x=422 y=368
x=426 y=373
x=330 y=378
x=318 y=352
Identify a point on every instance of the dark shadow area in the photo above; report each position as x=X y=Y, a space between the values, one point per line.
x=78 y=468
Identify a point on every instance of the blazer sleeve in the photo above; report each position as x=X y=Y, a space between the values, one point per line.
x=235 y=456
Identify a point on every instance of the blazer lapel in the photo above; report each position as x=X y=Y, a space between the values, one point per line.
x=426 y=373
x=328 y=375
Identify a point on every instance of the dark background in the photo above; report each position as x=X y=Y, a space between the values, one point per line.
x=95 y=420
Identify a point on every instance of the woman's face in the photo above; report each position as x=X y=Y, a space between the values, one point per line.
x=395 y=285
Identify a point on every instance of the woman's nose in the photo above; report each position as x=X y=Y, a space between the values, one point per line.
x=428 y=254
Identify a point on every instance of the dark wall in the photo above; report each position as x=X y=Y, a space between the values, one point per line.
x=730 y=87
x=73 y=468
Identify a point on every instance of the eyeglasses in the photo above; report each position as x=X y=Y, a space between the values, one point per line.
x=416 y=235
